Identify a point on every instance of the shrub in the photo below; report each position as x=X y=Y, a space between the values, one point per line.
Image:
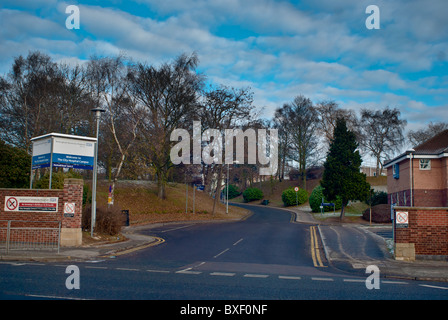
x=380 y=214
x=57 y=179
x=108 y=220
x=233 y=191
x=251 y=194
x=291 y=198
x=378 y=197
x=316 y=199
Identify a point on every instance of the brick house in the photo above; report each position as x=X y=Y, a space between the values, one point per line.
x=417 y=182
x=419 y=177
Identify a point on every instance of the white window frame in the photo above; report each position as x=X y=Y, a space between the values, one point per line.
x=424 y=164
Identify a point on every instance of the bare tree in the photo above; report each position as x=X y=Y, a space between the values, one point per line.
x=302 y=124
x=329 y=112
x=381 y=133
x=224 y=108
x=39 y=96
x=419 y=136
x=108 y=78
x=168 y=94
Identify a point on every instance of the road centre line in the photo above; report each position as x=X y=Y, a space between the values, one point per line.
x=249 y=275
x=224 y=251
x=223 y=274
x=158 y=271
x=238 y=242
x=126 y=269
x=321 y=279
x=289 y=277
x=173 y=229
x=434 y=287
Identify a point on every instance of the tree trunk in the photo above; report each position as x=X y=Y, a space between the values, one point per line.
x=342 y=211
x=218 y=189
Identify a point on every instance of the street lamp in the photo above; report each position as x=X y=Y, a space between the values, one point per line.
x=97 y=112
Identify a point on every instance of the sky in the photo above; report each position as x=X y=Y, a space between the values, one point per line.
x=321 y=49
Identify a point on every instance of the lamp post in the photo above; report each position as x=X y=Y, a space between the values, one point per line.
x=97 y=112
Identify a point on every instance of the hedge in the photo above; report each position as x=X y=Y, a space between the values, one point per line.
x=251 y=194
x=291 y=198
x=316 y=199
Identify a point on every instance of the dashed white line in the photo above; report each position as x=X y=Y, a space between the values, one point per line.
x=249 y=275
x=224 y=251
x=126 y=269
x=223 y=274
x=354 y=280
x=238 y=241
x=394 y=282
x=158 y=271
x=434 y=287
x=322 y=279
x=188 y=271
x=289 y=277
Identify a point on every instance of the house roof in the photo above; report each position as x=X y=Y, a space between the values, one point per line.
x=435 y=146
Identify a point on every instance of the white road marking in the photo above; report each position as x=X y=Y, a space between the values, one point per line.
x=173 y=229
x=435 y=287
x=223 y=274
x=289 y=277
x=322 y=279
x=158 y=271
x=126 y=269
x=249 y=275
x=224 y=251
x=238 y=242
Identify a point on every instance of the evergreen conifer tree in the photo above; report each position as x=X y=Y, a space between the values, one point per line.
x=342 y=176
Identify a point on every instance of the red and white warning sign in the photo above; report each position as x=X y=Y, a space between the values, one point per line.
x=31 y=204
x=402 y=217
x=296 y=189
x=69 y=207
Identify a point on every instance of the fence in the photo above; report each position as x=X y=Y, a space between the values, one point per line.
x=29 y=235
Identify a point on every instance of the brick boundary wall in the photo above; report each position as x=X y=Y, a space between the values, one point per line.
x=71 y=234
x=426 y=234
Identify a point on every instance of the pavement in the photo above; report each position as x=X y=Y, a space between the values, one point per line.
x=354 y=246
x=348 y=247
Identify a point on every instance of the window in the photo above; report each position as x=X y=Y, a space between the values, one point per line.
x=396 y=171
x=425 y=164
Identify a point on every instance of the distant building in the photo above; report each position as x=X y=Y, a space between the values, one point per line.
x=419 y=177
x=371 y=171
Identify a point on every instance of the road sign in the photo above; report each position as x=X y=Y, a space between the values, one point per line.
x=402 y=219
x=69 y=209
x=296 y=189
x=31 y=204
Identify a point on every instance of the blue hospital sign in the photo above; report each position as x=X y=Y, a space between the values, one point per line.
x=63 y=151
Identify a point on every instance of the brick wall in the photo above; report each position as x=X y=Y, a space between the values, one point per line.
x=70 y=223
x=427 y=230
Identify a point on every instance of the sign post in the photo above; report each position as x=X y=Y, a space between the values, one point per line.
x=296 y=189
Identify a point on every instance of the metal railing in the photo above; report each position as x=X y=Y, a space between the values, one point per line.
x=29 y=235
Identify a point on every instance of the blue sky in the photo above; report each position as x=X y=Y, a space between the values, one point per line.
x=321 y=49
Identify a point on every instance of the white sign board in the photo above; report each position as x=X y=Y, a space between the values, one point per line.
x=402 y=219
x=31 y=204
x=63 y=150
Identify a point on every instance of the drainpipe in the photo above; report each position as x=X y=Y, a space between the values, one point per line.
x=411 y=172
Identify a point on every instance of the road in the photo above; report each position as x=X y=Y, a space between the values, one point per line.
x=265 y=257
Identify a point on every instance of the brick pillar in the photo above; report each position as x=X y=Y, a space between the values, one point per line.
x=71 y=232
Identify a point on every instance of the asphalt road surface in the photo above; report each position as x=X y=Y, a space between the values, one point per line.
x=265 y=257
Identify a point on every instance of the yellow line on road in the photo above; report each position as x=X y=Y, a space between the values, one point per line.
x=315 y=253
